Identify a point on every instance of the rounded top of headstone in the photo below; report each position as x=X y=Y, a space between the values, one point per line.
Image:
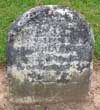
x=51 y=43
x=58 y=14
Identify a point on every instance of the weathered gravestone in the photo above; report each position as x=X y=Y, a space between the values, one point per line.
x=50 y=52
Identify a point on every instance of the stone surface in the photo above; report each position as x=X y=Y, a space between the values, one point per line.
x=50 y=51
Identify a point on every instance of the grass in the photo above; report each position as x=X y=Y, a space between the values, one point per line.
x=11 y=9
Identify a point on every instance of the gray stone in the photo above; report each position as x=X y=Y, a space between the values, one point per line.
x=49 y=47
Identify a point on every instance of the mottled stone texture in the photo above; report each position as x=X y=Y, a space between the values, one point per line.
x=50 y=51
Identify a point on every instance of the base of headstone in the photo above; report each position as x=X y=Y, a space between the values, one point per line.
x=53 y=96
x=56 y=106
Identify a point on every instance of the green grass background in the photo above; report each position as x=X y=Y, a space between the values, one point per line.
x=11 y=9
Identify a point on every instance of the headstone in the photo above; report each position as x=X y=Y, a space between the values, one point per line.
x=50 y=56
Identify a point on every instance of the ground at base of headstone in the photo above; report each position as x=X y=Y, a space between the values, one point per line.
x=92 y=102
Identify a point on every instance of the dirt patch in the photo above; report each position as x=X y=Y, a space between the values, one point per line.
x=3 y=88
x=94 y=95
x=95 y=86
